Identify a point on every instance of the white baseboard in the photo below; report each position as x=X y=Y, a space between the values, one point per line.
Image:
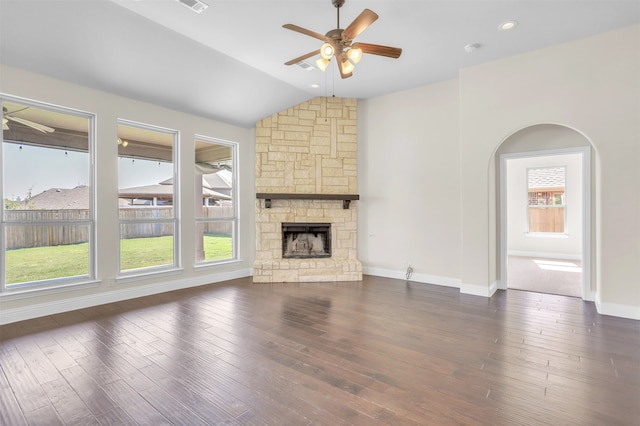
x=473 y=289
x=50 y=308
x=617 y=310
x=590 y=297
x=479 y=290
x=545 y=255
x=415 y=277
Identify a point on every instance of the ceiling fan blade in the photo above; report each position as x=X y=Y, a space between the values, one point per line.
x=303 y=57
x=28 y=123
x=377 y=49
x=366 y=18
x=305 y=31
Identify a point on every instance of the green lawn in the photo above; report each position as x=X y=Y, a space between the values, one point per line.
x=43 y=263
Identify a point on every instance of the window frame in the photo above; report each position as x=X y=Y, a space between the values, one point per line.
x=90 y=221
x=234 y=219
x=123 y=275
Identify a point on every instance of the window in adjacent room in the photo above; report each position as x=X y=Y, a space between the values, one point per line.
x=546 y=200
x=215 y=200
x=147 y=196
x=47 y=214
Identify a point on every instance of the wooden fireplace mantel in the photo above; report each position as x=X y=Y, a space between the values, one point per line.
x=268 y=196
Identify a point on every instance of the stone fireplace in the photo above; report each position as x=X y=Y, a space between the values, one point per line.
x=306 y=184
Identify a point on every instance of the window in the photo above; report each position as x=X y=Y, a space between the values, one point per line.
x=546 y=199
x=47 y=184
x=147 y=188
x=216 y=209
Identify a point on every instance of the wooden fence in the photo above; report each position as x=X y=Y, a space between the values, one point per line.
x=550 y=219
x=47 y=234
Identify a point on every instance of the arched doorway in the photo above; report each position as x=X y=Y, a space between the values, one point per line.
x=545 y=211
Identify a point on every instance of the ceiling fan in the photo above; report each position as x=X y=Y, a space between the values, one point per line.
x=339 y=43
x=6 y=117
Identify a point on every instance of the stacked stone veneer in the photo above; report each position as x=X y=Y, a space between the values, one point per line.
x=308 y=149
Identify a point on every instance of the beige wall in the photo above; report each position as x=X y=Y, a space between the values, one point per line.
x=409 y=181
x=109 y=108
x=592 y=86
x=429 y=153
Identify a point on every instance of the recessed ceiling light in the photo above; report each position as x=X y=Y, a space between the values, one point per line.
x=315 y=85
x=508 y=25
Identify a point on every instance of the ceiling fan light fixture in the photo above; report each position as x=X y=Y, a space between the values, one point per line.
x=347 y=67
x=322 y=63
x=327 y=50
x=355 y=54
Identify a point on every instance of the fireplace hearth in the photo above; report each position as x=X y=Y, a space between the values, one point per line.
x=306 y=240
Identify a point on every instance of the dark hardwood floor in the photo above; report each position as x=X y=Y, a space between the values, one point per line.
x=379 y=351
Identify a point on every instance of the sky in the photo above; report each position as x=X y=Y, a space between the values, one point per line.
x=38 y=169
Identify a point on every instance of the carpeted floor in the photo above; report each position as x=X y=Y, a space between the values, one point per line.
x=553 y=276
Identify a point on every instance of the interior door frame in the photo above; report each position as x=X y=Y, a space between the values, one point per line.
x=585 y=152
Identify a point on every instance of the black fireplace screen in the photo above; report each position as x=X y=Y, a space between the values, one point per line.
x=306 y=240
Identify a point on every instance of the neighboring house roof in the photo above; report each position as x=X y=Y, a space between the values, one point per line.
x=547 y=177
x=60 y=198
x=213 y=186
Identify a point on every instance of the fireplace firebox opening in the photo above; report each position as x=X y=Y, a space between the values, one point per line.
x=306 y=240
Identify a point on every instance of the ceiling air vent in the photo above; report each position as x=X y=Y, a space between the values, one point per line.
x=305 y=65
x=195 y=5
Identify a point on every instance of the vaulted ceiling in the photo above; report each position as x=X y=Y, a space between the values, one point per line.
x=227 y=63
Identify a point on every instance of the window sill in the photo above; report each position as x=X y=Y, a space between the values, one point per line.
x=44 y=290
x=141 y=275
x=547 y=235
x=214 y=264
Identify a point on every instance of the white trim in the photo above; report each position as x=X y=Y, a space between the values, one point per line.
x=175 y=220
x=8 y=316
x=585 y=152
x=145 y=273
x=478 y=289
x=91 y=222
x=33 y=290
x=587 y=292
x=558 y=235
x=617 y=310
x=217 y=264
x=235 y=191
x=415 y=277
x=546 y=255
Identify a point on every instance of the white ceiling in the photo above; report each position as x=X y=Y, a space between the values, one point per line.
x=227 y=63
